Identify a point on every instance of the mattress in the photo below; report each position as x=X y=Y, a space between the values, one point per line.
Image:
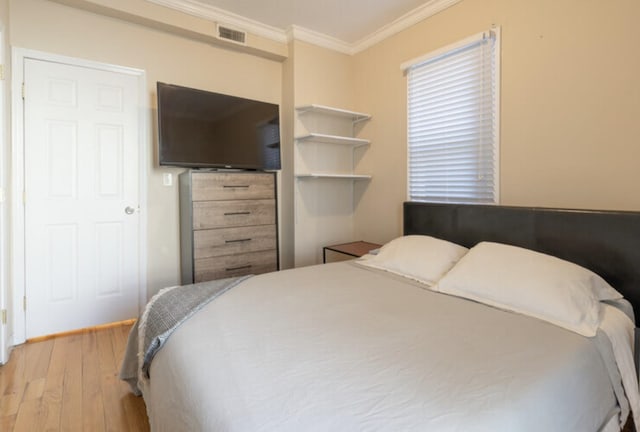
x=343 y=348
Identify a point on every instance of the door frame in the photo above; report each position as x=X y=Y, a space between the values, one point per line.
x=19 y=55
x=4 y=205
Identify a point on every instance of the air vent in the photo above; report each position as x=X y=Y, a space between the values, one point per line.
x=232 y=35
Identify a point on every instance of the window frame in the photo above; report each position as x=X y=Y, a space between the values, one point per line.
x=494 y=32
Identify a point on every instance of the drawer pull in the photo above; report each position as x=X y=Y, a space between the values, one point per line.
x=238 y=241
x=235 y=186
x=237 y=213
x=248 y=266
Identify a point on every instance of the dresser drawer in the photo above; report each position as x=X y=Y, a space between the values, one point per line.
x=227 y=241
x=232 y=186
x=221 y=214
x=235 y=265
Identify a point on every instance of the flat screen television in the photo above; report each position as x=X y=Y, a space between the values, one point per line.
x=202 y=129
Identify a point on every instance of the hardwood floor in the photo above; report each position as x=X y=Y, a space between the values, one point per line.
x=70 y=383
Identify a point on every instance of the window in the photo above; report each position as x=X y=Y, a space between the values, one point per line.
x=453 y=122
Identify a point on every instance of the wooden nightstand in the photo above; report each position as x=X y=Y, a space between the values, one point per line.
x=354 y=249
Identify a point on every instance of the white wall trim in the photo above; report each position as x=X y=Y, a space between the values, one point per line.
x=17 y=202
x=320 y=39
x=412 y=17
x=17 y=244
x=4 y=213
x=201 y=10
x=221 y=16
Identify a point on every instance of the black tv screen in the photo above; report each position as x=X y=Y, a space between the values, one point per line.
x=201 y=129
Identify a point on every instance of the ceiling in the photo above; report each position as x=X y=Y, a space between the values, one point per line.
x=345 y=20
x=345 y=25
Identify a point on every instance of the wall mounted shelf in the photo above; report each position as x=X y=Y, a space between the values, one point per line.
x=355 y=117
x=327 y=185
x=333 y=139
x=333 y=176
x=333 y=116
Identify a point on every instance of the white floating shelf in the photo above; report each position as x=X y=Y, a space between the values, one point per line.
x=333 y=139
x=334 y=176
x=323 y=109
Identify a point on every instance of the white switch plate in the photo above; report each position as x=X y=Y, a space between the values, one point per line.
x=167 y=179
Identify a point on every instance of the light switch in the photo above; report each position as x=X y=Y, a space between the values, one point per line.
x=167 y=179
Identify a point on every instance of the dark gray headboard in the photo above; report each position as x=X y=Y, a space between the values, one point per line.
x=606 y=242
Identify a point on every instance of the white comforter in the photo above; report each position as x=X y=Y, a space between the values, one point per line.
x=341 y=348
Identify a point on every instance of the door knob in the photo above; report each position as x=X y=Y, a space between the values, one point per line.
x=129 y=210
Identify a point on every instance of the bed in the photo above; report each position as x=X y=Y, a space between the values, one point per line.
x=387 y=343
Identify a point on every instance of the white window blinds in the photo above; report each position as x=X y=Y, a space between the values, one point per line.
x=453 y=123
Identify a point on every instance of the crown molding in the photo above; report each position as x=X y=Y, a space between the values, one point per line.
x=316 y=38
x=212 y=13
x=412 y=17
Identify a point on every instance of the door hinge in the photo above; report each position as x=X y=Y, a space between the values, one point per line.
x=4 y=316
x=23 y=91
x=2 y=72
x=24 y=302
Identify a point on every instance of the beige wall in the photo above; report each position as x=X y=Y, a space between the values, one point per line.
x=51 y=27
x=322 y=76
x=158 y=17
x=323 y=208
x=570 y=104
x=310 y=74
x=570 y=134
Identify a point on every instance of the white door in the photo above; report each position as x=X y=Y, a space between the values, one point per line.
x=81 y=162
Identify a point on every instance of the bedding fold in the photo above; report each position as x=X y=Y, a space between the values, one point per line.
x=619 y=330
x=164 y=313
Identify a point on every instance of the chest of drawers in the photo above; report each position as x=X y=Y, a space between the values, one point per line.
x=228 y=224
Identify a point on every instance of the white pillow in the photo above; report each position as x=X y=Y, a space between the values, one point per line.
x=421 y=258
x=531 y=283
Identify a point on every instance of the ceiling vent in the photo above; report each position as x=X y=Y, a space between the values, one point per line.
x=231 y=35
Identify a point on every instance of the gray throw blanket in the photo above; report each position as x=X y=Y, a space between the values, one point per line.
x=164 y=313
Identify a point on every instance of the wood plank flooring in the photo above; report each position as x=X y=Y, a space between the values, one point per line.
x=70 y=383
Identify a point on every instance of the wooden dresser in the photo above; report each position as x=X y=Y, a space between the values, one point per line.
x=228 y=224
